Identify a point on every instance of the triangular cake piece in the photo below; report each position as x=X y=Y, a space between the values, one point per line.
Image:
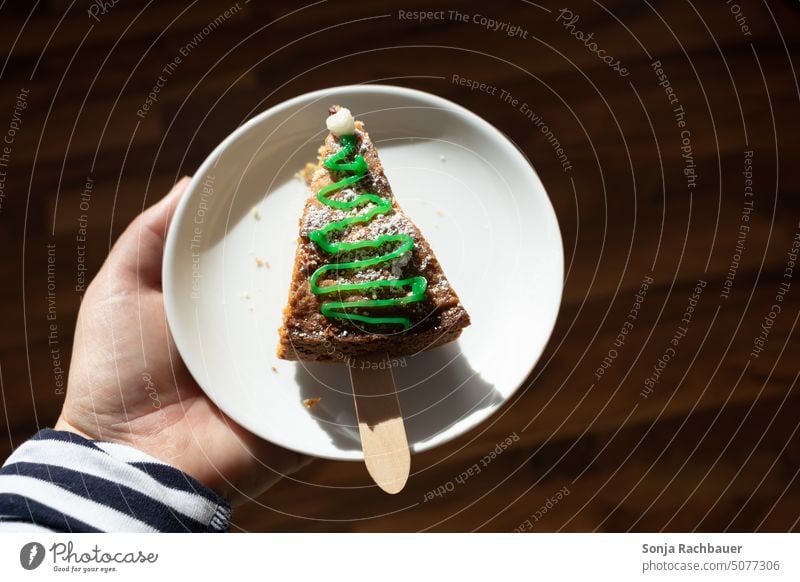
x=365 y=280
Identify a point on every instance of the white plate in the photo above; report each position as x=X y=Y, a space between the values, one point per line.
x=472 y=193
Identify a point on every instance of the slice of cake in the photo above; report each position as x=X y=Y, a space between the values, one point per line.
x=365 y=280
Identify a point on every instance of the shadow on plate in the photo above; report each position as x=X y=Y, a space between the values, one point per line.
x=437 y=389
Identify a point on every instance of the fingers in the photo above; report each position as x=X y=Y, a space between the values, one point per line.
x=138 y=254
x=159 y=215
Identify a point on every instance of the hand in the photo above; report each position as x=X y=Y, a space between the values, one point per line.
x=127 y=382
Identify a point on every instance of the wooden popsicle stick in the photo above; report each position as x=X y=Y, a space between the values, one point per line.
x=380 y=422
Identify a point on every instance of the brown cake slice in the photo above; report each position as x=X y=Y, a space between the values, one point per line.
x=372 y=325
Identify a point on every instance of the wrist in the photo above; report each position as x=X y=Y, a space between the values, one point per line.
x=64 y=425
x=210 y=479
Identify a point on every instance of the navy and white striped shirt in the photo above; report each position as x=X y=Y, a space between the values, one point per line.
x=61 y=482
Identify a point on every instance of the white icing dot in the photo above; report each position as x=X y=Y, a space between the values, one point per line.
x=341 y=122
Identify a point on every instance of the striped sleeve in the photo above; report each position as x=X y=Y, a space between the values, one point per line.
x=59 y=481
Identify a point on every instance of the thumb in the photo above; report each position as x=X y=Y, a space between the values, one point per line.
x=139 y=251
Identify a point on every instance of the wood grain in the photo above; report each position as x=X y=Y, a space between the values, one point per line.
x=713 y=446
x=380 y=423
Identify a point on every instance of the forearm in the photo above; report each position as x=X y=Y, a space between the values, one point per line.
x=59 y=481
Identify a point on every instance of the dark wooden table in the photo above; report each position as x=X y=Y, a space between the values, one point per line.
x=637 y=420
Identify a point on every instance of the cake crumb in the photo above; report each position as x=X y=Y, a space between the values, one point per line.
x=311 y=402
x=262 y=263
x=306 y=173
x=246 y=296
x=442 y=158
x=439 y=213
x=255 y=213
x=274 y=370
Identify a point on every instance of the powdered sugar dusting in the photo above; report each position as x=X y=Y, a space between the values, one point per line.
x=319 y=216
x=393 y=223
